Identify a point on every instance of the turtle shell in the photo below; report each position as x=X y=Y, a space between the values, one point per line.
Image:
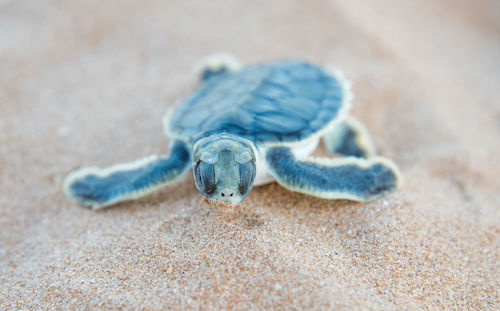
x=276 y=102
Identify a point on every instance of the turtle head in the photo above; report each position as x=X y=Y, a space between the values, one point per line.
x=224 y=167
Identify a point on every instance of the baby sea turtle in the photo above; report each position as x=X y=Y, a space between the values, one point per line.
x=250 y=126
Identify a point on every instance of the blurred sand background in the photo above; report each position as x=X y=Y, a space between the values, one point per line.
x=87 y=82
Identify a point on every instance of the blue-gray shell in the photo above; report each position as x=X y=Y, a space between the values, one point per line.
x=274 y=102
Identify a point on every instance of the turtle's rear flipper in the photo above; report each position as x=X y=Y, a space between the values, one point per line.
x=350 y=138
x=97 y=187
x=216 y=65
x=339 y=178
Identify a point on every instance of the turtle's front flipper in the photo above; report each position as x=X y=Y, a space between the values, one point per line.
x=216 y=65
x=97 y=187
x=339 y=178
x=350 y=138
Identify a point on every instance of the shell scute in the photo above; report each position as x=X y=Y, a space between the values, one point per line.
x=274 y=102
x=274 y=122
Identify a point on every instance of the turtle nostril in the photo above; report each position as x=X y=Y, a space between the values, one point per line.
x=226 y=194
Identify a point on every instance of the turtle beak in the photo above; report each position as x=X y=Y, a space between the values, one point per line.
x=227 y=195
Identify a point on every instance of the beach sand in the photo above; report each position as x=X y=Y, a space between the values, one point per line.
x=87 y=82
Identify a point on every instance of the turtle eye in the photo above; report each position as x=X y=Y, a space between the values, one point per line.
x=247 y=177
x=205 y=178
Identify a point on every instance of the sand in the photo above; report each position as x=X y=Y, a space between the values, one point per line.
x=86 y=83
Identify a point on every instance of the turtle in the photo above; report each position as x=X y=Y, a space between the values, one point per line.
x=245 y=126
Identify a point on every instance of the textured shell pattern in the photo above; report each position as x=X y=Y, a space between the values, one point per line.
x=269 y=103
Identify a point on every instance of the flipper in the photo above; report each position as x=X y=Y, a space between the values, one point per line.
x=350 y=138
x=215 y=65
x=334 y=178
x=97 y=187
